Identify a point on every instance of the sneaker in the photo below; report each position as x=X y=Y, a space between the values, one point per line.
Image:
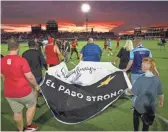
x=31 y=128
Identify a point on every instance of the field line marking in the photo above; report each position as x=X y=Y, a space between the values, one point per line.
x=162 y=118
x=73 y=63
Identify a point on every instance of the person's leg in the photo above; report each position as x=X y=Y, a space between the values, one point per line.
x=30 y=102
x=72 y=50
x=136 y=119
x=145 y=127
x=30 y=114
x=77 y=53
x=17 y=110
x=18 y=118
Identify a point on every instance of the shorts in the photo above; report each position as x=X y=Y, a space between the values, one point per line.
x=17 y=104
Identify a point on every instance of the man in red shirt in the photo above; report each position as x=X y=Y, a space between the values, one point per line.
x=118 y=42
x=105 y=44
x=73 y=49
x=17 y=75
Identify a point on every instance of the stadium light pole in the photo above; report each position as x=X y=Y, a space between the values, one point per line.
x=85 y=9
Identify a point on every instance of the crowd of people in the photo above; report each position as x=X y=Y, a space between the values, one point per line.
x=79 y=35
x=136 y=61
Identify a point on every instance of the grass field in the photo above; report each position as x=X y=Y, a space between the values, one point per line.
x=117 y=117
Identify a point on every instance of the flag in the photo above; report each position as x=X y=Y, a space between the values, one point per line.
x=82 y=93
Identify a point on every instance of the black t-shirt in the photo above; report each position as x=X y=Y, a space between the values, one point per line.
x=35 y=59
x=123 y=54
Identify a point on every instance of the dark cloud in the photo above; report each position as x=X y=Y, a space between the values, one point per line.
x=132 y=14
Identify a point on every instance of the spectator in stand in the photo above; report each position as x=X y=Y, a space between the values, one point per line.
x=124 y=54
x=91 y=52
x=52 y=53
x=146 y=89
x=73 y=49
x=17 y=75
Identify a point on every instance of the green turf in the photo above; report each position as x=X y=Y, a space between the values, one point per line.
x=117 y=117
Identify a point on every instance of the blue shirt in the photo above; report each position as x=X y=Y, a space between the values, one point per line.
x=146 y=88
x=91 y=52
x=137 y=55
x=109 y=43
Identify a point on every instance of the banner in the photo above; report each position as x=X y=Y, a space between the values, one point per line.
x=77 y=95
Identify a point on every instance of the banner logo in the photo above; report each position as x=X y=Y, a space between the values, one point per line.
x=106 y=82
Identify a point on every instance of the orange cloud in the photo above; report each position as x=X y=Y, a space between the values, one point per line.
x=126 y=32
x=101 y=26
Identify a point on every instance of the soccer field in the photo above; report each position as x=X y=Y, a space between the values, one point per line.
x=117 y=117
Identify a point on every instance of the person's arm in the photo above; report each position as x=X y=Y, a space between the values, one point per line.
x=28 y=74
x=130 y=61
x=160 y=93
x=81 y=56
x=30 y=77
x=161 y=101
x=129 y=65
x=56 y=50
x=117 y=57
x=2 y=76
x=156 y=71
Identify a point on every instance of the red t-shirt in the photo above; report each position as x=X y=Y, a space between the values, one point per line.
x=105 y=43
x=15 y=84
x=118 y=39
x=74 y=44
x=51 y=56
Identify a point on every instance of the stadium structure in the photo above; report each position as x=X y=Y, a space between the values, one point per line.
x=52 y=26
x=36 y=28
x=152 y=32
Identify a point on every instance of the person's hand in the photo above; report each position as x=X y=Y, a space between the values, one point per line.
x=161 y=104
x=37 y=88
x=113 y=62
x=124 y=70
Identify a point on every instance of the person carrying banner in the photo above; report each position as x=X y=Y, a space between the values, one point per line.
x=91 y=52
x=17 y=75
x=123 y=55
x=146 y=89
x=36 y=61
x=73 y=49
x=135 y=61
x=52 y=53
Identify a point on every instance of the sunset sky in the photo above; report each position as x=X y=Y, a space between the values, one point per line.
x=103 y=16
